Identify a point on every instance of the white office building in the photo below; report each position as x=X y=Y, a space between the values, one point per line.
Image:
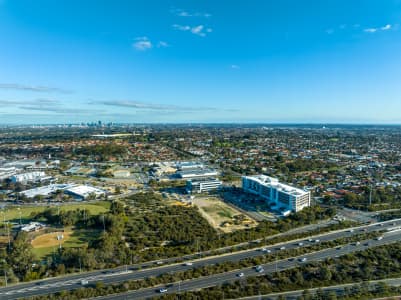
x=283 y=196
x=203 y=185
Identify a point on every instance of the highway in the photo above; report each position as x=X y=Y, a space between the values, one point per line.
x=56 y=284
x=208 y=281
x=338 y=289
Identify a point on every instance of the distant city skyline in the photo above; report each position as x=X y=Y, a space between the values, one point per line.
x=332 y=61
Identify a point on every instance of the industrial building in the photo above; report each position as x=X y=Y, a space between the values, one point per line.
x=45 y=190
x=7 y=172
x=29 y=177
x=202 y=185
x=196 y=173
x=81 y=192
x=283 y=196
x=187 y=165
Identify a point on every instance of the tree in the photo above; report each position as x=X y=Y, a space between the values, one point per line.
x=21 y=256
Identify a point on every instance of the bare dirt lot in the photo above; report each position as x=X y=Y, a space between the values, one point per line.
x=222 y=216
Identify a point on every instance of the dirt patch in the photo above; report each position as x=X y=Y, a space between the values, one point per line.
x=51 y=239
x=221 y=216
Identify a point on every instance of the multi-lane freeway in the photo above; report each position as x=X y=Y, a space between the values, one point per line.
x=338 y=289
x=53 y=285
x=269 y=268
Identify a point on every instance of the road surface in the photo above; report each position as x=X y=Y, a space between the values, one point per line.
x=121 y=274
x=269 y=268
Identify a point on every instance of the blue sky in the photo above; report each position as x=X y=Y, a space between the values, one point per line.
x=332 y=61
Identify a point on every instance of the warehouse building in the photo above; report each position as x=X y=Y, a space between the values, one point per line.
x=29 y=177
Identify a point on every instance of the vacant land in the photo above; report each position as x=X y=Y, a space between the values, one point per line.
x=221 y=216
x=13 y=213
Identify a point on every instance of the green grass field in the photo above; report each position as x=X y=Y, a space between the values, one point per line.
x=12 y=213
x=79 y=238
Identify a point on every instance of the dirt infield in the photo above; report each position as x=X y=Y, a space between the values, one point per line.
x=50 y=239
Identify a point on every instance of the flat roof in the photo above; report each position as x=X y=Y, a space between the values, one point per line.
x=195 y=180
x=84 y=190
x=274 y=182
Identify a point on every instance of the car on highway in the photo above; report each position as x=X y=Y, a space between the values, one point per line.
x=159 y=263
x=162 y=290
x=357 y=243
x=240 y=275
x=317 y=241
x=259 y=269
x=300 y=244
x=188 y=264
x=351 y=230
x=84 y=282
x=282 y=248
x=304 y=259
x=379 y=238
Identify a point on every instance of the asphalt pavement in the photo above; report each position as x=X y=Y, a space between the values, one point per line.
x=109 y=276
x=269 y=268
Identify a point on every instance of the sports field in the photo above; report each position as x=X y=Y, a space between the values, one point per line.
x=13 y=213
x=47 y=243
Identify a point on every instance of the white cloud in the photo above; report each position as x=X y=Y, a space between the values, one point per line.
x=142 y=44
x=32 y=88
x=181 y=27
x=386 y=27
x=163 y=44
x=376 y=29
x=185 y=13
x=200 y=30
x=145 y=106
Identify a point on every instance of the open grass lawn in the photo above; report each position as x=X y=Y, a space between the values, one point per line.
x=12 y=213
x=46 y=244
